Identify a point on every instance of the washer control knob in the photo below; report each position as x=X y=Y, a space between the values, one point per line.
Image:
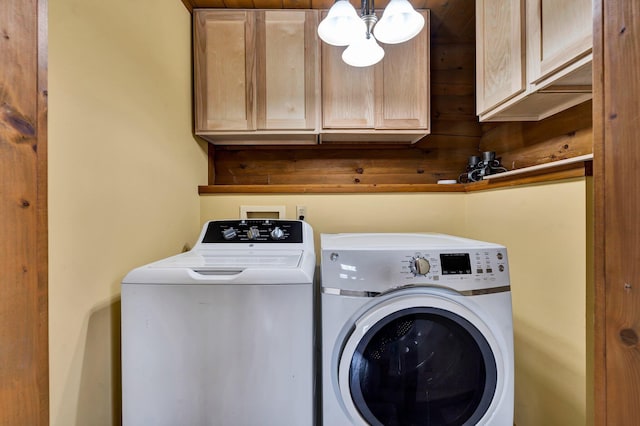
x=229 y=234
x=253 y=233
x=421 y=266
x=277 y=233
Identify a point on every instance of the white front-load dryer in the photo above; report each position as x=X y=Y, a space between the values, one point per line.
x=416 y=330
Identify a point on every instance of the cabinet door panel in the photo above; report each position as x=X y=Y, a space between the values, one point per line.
x=347 y=92
x=565 y=33
x=500 y=51
x=401 y=105
x=224 y=73
x=286 y=58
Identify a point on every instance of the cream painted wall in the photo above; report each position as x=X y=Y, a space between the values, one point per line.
x=544 y=229
x=434 y=212
x=123 y=172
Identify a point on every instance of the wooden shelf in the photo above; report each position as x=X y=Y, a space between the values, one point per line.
x=563 y=169
x=550 y=175
x=328 y=188
x=554 y=165
x=568 y=168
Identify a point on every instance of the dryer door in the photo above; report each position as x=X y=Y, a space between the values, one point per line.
x=419 y=361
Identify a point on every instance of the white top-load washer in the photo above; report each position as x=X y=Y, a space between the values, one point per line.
x=223 y=334
x=416 y=330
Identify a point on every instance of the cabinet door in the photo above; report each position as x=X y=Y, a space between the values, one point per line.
x=287 y=57
x=500 y=43
x=402 y=83
x=393 y=94
x=348 y=99
x=562 y=31
x=224 y=69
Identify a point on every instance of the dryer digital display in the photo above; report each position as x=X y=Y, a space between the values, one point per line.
x=455 y=263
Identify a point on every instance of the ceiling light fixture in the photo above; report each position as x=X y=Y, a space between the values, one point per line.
x=343 y=27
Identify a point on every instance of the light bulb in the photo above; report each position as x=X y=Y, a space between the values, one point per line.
x=341 y=25
x=363 y=52
x=399 y=23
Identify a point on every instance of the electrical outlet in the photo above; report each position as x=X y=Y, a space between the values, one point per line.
x=301 y=212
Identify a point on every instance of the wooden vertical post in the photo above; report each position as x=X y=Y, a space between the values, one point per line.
x=24 y=371
x=617 y=212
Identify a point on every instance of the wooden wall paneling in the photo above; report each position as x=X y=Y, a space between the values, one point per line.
x=574 y=119
x=599 y=217
x=211 y=164
x=331 y=165
x=556 y=148
x=617 y=208
x=24 y=374
x=297 y=4
x=454 y=128
x=329 y=189
x=522 y=144
x=42 y=224
x=453 y=69
x=453 y=108
x=239 y=4
x=452 y=20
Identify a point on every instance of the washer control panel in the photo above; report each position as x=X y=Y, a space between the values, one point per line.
x=436 y=265
x=254 y=231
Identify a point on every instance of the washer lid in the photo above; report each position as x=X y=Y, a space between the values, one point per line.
x=228 y=267
x=236 y=259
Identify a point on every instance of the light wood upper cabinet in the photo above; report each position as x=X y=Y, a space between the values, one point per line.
x=533 y=57
x=500 y=47
x=563 y=31
x=256 y=76
x=348 y=93
x=224 y=70
x=385 y=102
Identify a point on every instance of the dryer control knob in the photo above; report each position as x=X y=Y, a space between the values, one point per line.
x=421 y=266
x=277 y=233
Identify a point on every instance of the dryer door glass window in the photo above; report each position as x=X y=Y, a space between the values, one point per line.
x=422 y=366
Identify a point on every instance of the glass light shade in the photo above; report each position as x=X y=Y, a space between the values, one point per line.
x=400 y=22
x=341 y=25
x=363 y=52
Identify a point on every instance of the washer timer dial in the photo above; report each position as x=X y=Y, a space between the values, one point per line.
x=420 y=266
x=277 y=233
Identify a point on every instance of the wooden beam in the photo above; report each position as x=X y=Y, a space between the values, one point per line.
x=24 y=367
x=598 y=255
x=617 y=208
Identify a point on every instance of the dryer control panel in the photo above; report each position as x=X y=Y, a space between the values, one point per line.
x=441 y=265
x=377 y=263
x=254 y=231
